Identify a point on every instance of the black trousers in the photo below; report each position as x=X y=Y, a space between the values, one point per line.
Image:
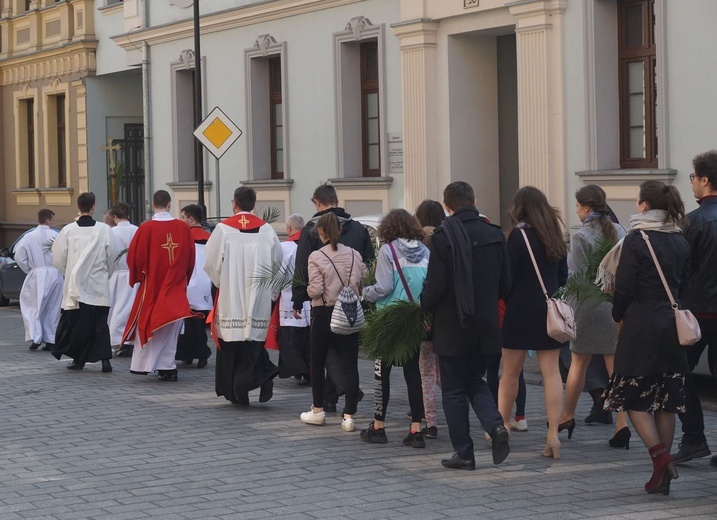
x=293 y=351
x=461 y=378
x=693 y=420
x=192 y=344
x=382 y=388
x=346 y=348
x=83 y=334
x=241 y=367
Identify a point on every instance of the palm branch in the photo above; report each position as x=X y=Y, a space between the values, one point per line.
x=121 y=254
x=276 y=277
x=581 y=286
x=270 y=214
x=394 y=333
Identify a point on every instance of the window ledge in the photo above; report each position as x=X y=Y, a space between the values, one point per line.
x=269 y=184
x=57 y=196
x=27 y=196
x=363 y=182
x=628 y=174
x=111 y=9
x=188 y=185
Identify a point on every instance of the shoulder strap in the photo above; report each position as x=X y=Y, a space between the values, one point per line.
x=337 y=271
x=535 y=264
x=400 y=271
x=646 y=238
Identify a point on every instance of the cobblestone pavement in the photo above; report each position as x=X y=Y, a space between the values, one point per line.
x=119 y=446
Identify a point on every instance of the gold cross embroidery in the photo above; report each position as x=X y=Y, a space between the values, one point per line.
x=170 y=246
x=243 y=221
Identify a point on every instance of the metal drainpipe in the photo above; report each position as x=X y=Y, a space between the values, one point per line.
x=147 y=119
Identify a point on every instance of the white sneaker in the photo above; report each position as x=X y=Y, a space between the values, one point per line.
x=348 y=424
x=518 y=426
x=311 y=417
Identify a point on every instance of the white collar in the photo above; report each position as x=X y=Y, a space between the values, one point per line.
x=162 y=215
x=43 y=226
x=124 y=223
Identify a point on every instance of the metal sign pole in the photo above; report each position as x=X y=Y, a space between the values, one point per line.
x=219 y=213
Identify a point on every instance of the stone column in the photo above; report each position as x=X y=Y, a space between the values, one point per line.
x=541 y=104
x=418 y=89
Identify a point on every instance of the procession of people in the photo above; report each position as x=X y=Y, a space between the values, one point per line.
x=152 y=292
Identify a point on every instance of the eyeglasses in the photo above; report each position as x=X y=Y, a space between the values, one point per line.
x=692 y=177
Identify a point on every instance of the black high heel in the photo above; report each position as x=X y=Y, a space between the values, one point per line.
x=621 y=439
x=567 y=425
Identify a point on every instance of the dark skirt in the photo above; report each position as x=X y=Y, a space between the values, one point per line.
x=83 y=334
x=241 y=367
x=293 y=351
x=663 y=392
x=193 y=343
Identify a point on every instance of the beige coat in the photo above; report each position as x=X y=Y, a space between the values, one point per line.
x=324 y=283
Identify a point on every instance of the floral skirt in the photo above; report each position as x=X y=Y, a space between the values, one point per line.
x=663 y=392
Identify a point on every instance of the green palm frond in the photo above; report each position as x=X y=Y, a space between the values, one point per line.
x=121 y=254
x=270 y=214
x=276 y=277
x=394 y=333
x=581 y=285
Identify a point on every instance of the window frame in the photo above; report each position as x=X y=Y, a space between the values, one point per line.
x=275 y=98
x=30 y=136
x=368 y=87
x=646 y=53
x=61 y=137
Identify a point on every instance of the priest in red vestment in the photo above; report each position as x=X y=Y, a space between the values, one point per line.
x=161 y=260
x=241 y=249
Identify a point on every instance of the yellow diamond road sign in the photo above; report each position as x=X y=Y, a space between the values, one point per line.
x=217 y=132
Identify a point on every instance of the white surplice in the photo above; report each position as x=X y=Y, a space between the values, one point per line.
x=234 y=262
x=121 y=293
x=286 y=306
x=199 y=289
x=41 y=292
x=159 y=352
x=86 y=255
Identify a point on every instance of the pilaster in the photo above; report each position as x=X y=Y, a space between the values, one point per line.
x=418 y=88
x=83 y=178
x=541 y=126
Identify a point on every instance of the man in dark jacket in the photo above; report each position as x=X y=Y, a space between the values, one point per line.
x=468 y=272
x=701 y=298
x=353 y=235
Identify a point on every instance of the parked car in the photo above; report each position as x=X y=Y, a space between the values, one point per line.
x=11 y=276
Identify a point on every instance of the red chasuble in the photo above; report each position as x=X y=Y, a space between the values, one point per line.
x=199 y=234
x=161 y=259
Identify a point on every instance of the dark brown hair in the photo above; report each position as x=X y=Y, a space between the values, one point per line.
x=458 y=195
x=44 y=215
x=120 y=210
x=325 y=194
x=705 y=165
x=531 y=206
x=245 y=198
x=161 y=199
x=399 y=223
x=658 y=195
x=329 y=224
x=430 y=213
x=194 y=211
x=593 y=197
x=85 y=201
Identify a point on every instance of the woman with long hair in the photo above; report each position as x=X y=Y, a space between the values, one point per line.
x=330 y=268
x=650 y=364
x=524 y=324
x=430 y=214
x=596 y=331
x=401 y=268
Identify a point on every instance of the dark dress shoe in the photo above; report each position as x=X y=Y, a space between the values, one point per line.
x=240 y=401
x=49 y=347
x=125 y=351
x=500 y=444
x=330 y=407
x=106 y=366
x=201 y=363
x=267 y=391
x=75 y=366
x=34 y=346
x=456 y=462
x=168 y=375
